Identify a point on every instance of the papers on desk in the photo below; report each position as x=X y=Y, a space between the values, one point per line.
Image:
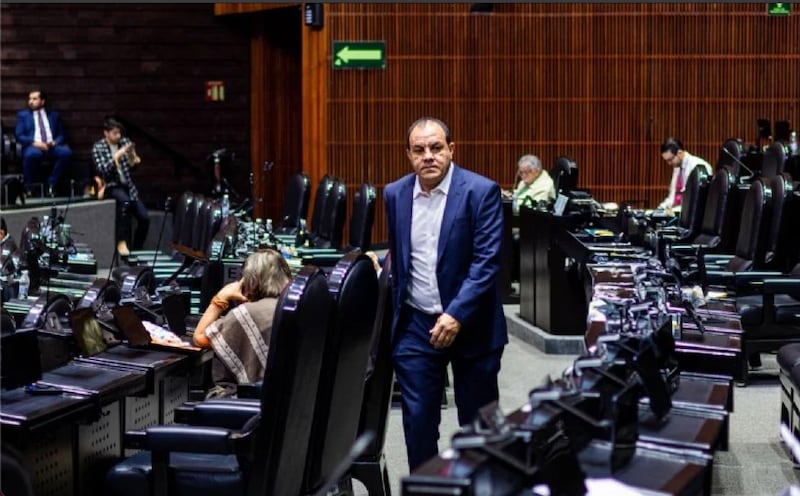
x=596 y=487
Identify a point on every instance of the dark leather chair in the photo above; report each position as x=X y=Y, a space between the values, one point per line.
x=185 y=202
x=329 y=234
x=186 y=236
x=295 y=204
x=713 y=223
x=565 y=175
x=354 y=286
x=692 y=207
x=731 y=155
x=263 y=453
x=7 y=323
x=774 y=159
x=771 y=319
x=360 y=236
x=370 y=467
x=324 y=190
x=362 y=218
x=193 y=231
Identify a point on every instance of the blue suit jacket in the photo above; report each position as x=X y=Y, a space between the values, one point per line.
x=469 y=256
x=26 y=128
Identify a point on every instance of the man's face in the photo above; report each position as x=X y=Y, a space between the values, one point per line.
x=528 y=174
x=673 y=159
x=35 y=100
x=113 y=136
x=430 y=154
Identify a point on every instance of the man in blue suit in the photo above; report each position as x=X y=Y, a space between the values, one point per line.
x=41 y=135
x=445 y=233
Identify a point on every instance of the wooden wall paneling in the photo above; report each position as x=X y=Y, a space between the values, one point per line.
x=248 y=8
x=602 y=83
x=276 y=105
x=315 y=76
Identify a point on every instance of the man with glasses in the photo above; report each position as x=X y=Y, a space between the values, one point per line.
x=683 y=163
x=535 y=183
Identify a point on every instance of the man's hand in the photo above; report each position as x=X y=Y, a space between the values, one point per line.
x=41 y=146
x=444 y=331
x=121 y=152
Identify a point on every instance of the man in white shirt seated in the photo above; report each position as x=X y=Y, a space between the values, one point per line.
x=683 y=163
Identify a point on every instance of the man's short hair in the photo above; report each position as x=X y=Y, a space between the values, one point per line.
x=421 y=121
x=531 y=160
x=672 y=145
x=38 y=90
x=110 y=123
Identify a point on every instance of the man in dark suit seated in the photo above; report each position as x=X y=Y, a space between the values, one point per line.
x=445 y=234
x=41 y=135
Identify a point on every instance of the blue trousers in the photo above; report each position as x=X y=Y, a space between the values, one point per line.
x=32 y=159
x=421 y=371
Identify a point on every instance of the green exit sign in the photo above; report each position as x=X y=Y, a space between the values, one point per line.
x=779 y=9
x=359 y=55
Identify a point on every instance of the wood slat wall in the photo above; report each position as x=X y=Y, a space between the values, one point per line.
x=148 y=63
x=602 y=83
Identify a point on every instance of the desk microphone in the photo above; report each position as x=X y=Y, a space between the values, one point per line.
x=167 y=206
x=739 y=162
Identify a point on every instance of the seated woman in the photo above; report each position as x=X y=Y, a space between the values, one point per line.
x=240 y=339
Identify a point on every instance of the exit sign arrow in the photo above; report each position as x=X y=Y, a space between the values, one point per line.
x=359 y=54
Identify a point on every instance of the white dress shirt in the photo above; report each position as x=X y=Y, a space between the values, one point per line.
x=427 y=210
x=38 y=136
x=687 y=166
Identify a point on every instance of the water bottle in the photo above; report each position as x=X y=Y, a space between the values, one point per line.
x=515 y=202
x=226 y=206
x=793 y=143
x=24 y=284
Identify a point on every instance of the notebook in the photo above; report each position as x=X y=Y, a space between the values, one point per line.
x=141 y=333
x=131 y=326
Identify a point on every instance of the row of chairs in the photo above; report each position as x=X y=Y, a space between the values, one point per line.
x=290 y=439
x=328 y=217
x=743 y=240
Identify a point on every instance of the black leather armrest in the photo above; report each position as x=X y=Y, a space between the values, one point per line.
x=685 y=249
x=752 y=282
x=717 y=258
x=190 y=439
x=781 y=286
x=721 y=277
x=227 y=413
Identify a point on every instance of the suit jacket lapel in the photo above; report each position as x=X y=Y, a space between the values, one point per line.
x=404 y=203
x=454 y=204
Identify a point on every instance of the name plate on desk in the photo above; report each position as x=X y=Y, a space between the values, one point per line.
x=232 y=269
